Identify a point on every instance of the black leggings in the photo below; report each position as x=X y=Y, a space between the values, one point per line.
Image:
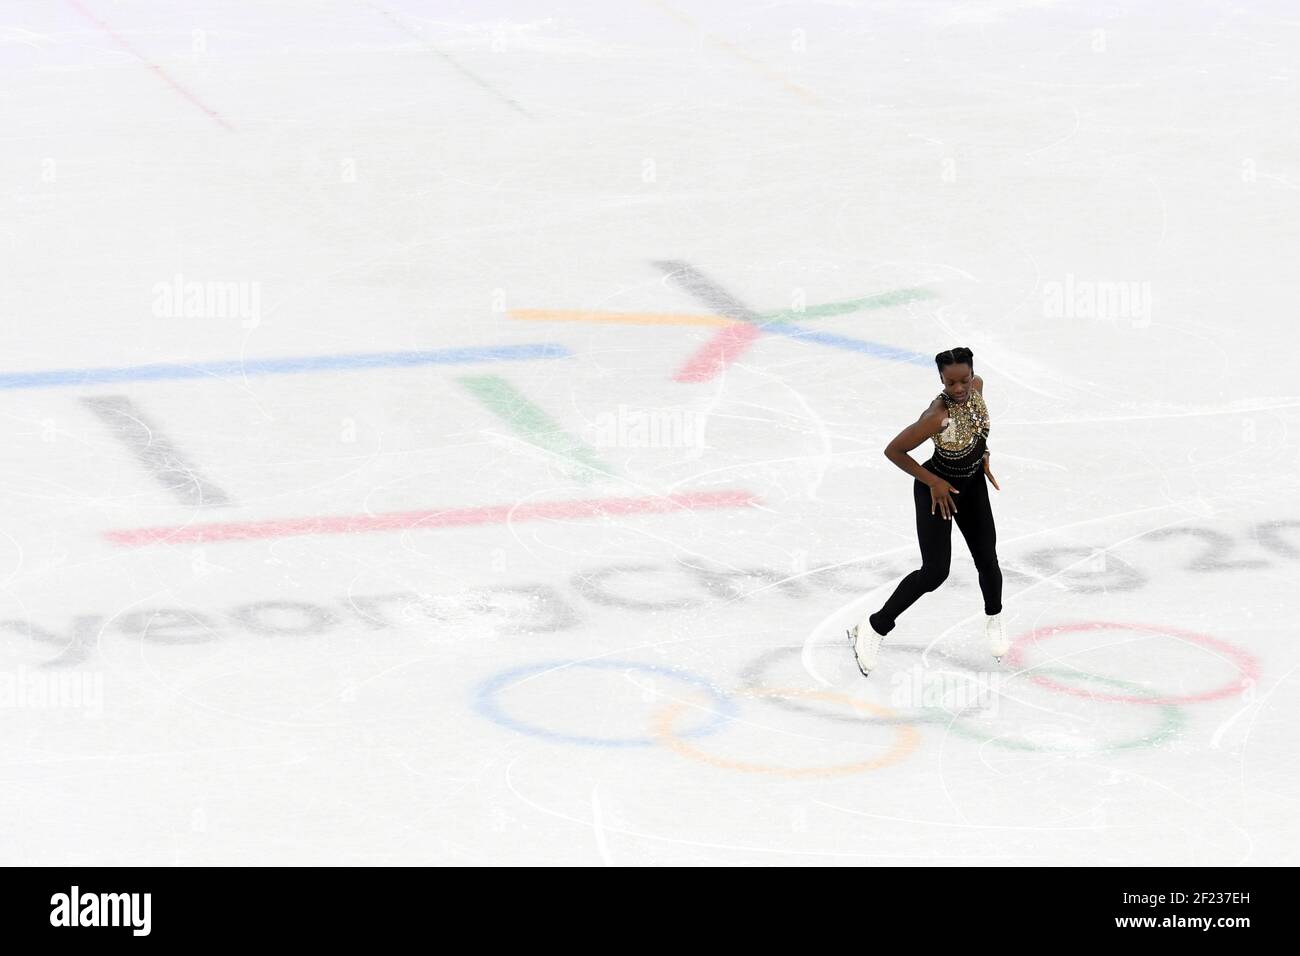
x=934 y=532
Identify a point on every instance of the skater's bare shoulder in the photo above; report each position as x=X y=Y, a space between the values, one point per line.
x=929 y=424
x=933 y=418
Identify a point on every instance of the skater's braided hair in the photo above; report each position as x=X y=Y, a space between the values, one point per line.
x=957 y=356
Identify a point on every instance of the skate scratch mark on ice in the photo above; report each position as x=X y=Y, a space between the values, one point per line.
x=241 y=368
x=678 y=841
x=1245 y=741
x=755 y=462
x=20 y=560
x=958 y=826
x=822 y=458
x=1208 y=811
x=427 y=520
x=155 y=451
x=1002 y=361
x=162 y=74
x=1216 y=739
x=855 y=612
x=670 y=543
x=529 y=420
x=822 y=461
x=1240 y=410
x=19 y=35
x=1064 y=139
x=799 y=90
x=1259 y=708
x=598 y=826
x=731 y=342
x=406 y=28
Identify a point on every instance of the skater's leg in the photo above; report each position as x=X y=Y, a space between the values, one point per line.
x=934 y=534
x=975 y=520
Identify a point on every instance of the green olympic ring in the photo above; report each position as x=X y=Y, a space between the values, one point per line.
x=1171 y=716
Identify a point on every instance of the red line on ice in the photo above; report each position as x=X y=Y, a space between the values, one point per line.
x=412 y=520
x=725 y=347
x=162 y=74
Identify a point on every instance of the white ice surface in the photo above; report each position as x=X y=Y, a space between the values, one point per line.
x=397 y=176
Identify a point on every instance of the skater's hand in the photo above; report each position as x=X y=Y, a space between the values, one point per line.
x=989 y=473
x=941 y=497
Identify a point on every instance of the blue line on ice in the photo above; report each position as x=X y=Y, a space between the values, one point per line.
x=239 y=368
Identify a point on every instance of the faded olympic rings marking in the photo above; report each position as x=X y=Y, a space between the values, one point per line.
x=1172 y=721
x=486 y=702
x=1245 y=661
x=905 y=739
x=754 y=673
x=960 y=724
x=724 y=706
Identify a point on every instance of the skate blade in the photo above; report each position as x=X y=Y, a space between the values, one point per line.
x=848 y=632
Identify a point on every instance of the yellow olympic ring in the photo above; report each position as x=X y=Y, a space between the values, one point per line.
x=906 y=737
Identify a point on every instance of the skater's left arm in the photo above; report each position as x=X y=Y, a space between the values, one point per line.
x=979 y=387
x=989 y=473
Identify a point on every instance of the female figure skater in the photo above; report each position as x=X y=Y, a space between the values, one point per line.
x=950 y=484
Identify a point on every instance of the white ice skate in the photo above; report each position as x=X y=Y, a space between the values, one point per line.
x=866 y=647
x=997 y=636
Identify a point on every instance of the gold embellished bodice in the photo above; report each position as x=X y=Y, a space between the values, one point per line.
x=959 y=448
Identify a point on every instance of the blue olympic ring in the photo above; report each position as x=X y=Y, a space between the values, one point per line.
x=486 y=702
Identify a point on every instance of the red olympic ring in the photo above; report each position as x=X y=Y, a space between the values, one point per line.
x=1245 y=661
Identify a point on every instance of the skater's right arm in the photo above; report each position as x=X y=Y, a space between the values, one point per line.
x=923 y=429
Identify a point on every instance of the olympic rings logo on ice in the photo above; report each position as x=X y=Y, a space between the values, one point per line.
x=712 y=710
x=1246 y=664
x=489 y=706
x=1169 y=721
x=905 y=738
